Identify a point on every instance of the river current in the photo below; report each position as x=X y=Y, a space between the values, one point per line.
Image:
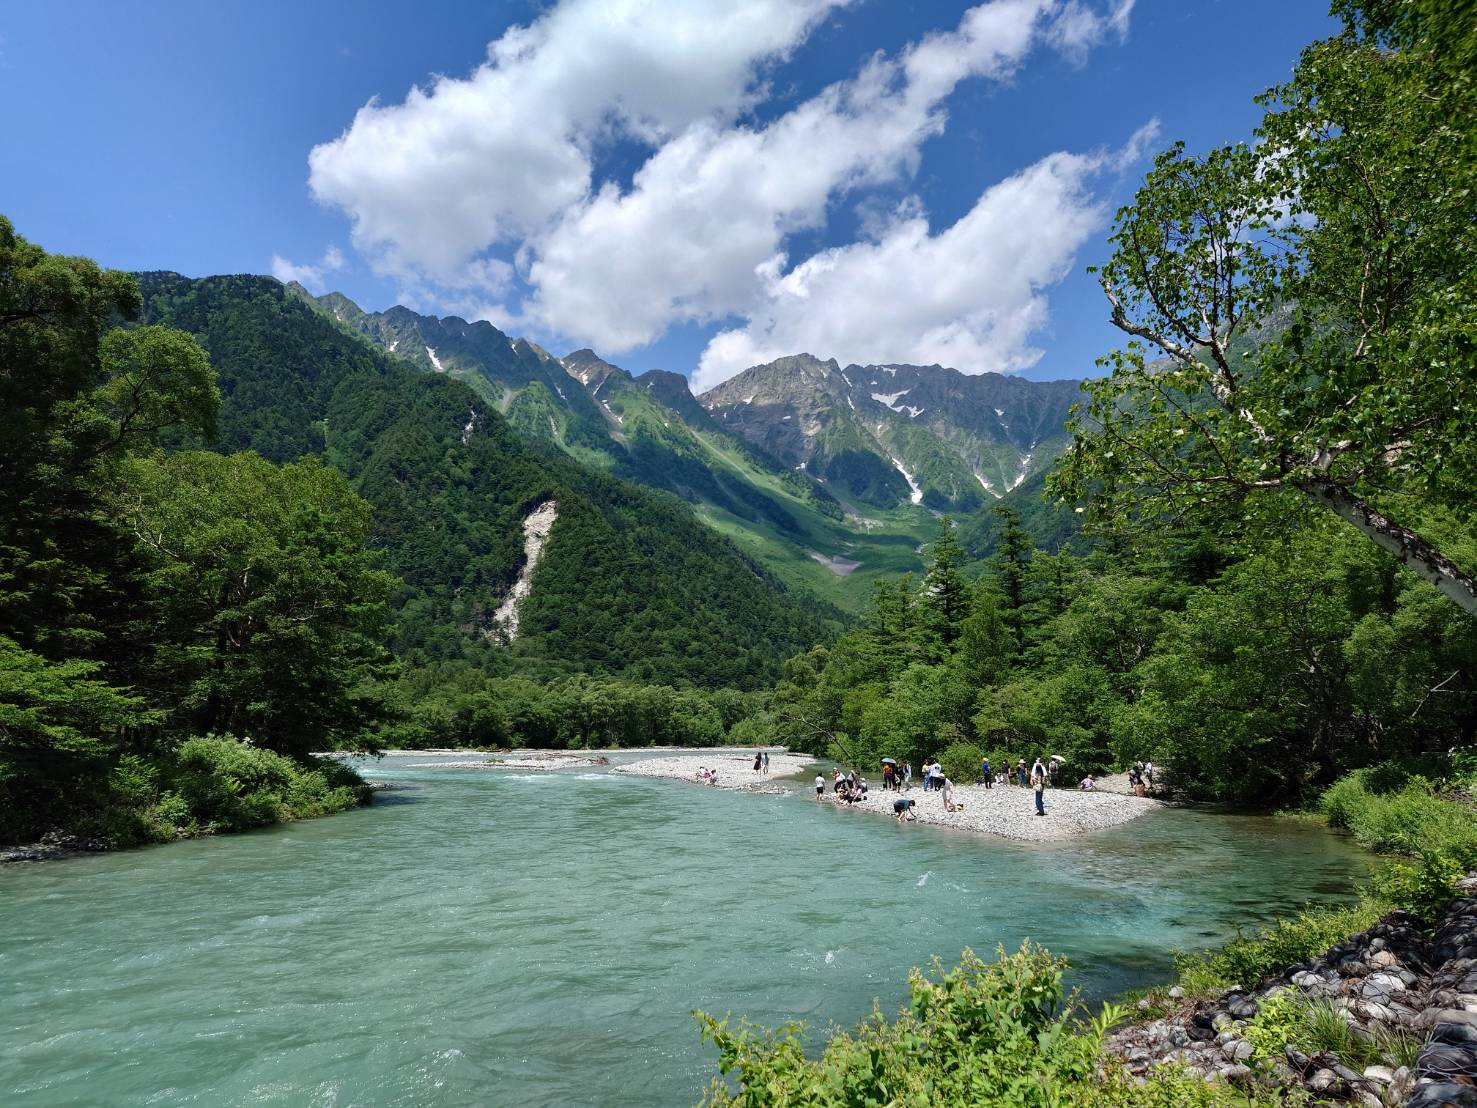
x=483 y=937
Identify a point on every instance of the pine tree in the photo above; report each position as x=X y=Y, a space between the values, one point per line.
x=945 y=596
x=1011 y=564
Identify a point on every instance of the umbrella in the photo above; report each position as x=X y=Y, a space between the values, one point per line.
x=889 y=761
x=1057 y=758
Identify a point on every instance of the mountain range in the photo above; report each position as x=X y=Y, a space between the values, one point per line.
x=830 y=477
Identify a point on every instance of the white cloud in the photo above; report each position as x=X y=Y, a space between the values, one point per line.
x=309 y=275
x=1078 y=27
x=468 y=171
x=707 y=216
x=468 y=163
x=970 y=296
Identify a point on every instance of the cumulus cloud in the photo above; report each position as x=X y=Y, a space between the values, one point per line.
x=481 y=195
x=707 y=215
x=1078 y=27
x=467 y=163
x=969 y=296
x=309 y=275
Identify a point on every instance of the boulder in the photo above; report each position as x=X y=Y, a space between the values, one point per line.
x=1237 y=1050
x=1443 y=1094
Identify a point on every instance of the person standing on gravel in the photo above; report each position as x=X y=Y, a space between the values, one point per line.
x=766 y=761
x=1038 y=782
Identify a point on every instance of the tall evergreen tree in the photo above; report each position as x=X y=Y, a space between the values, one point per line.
x=1011 y=565
x=945 y=594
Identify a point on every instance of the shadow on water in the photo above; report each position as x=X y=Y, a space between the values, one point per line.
x=391 y=793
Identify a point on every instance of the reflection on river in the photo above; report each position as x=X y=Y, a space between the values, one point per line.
x=487 y=937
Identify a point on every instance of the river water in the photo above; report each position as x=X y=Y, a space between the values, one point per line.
x=487 y=938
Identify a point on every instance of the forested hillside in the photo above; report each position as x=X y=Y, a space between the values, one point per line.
x=631 y=583
x=831 y=521
x=177 y=630
x=652 y=431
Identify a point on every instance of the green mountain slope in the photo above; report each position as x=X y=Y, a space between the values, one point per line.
x=653 y=431
x=631 y=582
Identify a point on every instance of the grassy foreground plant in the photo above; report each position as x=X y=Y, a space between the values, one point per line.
x=996 y=1033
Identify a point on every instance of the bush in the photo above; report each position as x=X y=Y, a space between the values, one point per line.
x=1392 y=811
x=961 y=762
x=1000 y=1033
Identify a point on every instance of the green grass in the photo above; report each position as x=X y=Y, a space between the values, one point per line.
x=993 y=1033
x=1246 y=959
x=1314 y=1025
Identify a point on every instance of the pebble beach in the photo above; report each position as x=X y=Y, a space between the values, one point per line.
x=1005 y=811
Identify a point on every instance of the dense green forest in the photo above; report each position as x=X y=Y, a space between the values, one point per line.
x=1256 y=675
x=234 y=535
x=155 y=608
x=632 y=584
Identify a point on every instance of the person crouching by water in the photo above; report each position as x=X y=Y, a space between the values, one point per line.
x=902 y=808
x=948 y=788
x=1038 y=782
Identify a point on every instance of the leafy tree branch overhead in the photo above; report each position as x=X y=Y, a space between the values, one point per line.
x=1302 y=311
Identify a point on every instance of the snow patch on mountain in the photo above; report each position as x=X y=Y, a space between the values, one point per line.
x=985 y=484
x=890 y=399
x=435 y=361
x=1025 y=465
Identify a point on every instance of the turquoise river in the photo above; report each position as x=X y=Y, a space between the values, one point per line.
x=484 y=937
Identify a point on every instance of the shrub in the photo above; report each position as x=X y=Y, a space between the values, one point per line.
x=1000 y=1033
x=1424 y=887
x=1395 y=812
x=961 y=762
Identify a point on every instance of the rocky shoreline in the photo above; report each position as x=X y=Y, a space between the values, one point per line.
x=53 y=845
x=1387 y=982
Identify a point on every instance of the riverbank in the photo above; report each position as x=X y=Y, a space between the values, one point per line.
x=1385 y=1017
x=735 y=770
x=1008 y=812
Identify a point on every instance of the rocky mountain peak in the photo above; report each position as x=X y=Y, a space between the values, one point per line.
x=589 y=369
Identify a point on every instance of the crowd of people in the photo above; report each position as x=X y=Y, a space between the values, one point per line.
x=849 y=788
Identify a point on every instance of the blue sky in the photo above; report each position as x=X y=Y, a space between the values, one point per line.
x=679 y=191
